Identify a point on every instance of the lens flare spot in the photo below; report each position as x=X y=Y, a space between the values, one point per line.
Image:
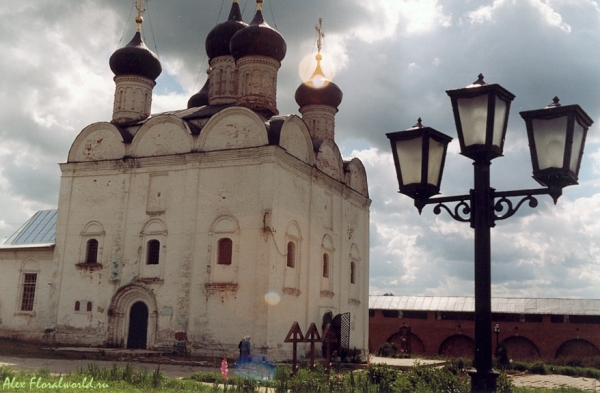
x=318 y=81
x=272 y=297
x=308 y=64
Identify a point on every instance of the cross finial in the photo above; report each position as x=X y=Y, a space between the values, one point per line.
x=319 y=29
x=139 y=6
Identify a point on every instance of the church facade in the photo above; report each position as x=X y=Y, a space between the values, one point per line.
x=198 y=226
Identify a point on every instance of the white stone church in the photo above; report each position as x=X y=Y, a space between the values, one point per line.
x=196 y=227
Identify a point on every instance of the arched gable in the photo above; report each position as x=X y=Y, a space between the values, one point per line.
x=293 y=230
x=329 y=159
x=225 y=224
x=356 y=176
x=327 y=243
x=154 y=227
x=233 y=128
x=30 y=265
x=162 y=135
x=295 y=139
x=354 y=253
x=96 y=142
x=93 y=228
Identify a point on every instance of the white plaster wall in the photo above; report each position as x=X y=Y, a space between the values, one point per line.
x=13 y=322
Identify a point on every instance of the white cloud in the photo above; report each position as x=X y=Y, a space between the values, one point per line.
x=55 y=80
x=487 y=13
x=413 y=16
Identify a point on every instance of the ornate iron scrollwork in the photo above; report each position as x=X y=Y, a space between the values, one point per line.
x=506 y=205
x=460 y=210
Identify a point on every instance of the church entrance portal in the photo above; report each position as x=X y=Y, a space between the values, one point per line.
x=132 y=317
x=138 y=326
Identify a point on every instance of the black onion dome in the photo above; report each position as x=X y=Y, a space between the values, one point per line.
x=217 y=41
x=200 y=98
x=258 y=39
x=135 y=59
x=330 y=94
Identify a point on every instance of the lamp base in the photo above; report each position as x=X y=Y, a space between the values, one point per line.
x=483 y=381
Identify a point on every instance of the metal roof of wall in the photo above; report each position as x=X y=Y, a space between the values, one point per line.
x=38 y=231
x=499 y=304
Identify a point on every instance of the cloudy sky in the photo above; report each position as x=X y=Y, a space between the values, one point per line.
x=393 y=59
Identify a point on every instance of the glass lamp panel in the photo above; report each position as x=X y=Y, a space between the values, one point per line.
x=499 y=116
x=409 y=157
x=473 y=119
x=578 y=132
x=436 y=156
x=550 y=138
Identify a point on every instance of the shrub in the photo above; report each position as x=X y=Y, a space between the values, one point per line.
x=503 y=384
x=382 y=375
x=538 y=368
x=388 y=350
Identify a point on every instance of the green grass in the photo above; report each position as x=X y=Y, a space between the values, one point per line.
x=374 y=379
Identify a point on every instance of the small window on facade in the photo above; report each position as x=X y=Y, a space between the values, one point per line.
x=88 y=307
x=325 y=265
x=77 y=306
x=153 y=252
x=352 y=272
x=28 y=297
x=291 y=254
x=91 y=255
x=225 y=250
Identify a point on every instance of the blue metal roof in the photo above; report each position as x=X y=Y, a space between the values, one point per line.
x=499 y=304
x=39 y=230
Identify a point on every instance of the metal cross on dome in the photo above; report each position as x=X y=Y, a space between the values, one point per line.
x=139 y=6
x=319 y=29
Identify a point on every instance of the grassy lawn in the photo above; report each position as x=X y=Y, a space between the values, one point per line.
x=373 y=379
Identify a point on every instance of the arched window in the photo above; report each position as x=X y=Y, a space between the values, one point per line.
x=291 y=254
x=89 y=307
x=153 y=252
x=325 y=265
x=225 y=250
x=352 y=272
x=77 y=305
x=91 y=254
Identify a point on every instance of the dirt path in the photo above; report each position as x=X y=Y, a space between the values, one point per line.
x=63 y=366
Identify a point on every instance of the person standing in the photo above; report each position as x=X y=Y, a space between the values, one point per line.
x=245 y=349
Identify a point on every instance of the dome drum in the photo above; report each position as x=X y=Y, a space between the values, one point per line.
x=257 y=84
x=223 y=81
x=133 y=99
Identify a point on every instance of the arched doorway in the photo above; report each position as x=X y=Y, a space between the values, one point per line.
x=577 y=348
x=138 y=326
x=521 y=348
x=416 y=344
x=457 y=346
x=132 y=313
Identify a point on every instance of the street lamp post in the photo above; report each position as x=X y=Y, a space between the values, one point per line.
x=556 y=138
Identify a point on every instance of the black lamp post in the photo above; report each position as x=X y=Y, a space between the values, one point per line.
x=556 y=137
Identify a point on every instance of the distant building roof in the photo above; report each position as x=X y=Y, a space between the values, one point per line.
x=499 y=304
x=38 y=231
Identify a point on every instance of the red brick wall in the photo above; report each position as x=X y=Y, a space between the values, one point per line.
x=523 y=339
